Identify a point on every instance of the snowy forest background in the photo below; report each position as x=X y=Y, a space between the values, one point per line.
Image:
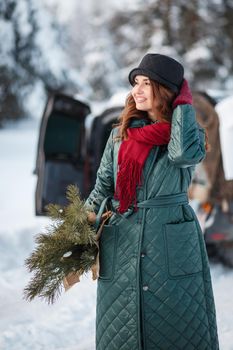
x=89 y=47
x=86 y=47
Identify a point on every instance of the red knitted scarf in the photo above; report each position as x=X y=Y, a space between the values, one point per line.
x=132 y=155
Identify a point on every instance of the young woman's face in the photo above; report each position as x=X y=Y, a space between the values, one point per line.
x=143 y=95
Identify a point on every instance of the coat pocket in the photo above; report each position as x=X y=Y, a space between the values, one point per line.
x=183 y=249
x=107 y=248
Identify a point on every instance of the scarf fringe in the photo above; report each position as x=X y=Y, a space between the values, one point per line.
x=125 y=188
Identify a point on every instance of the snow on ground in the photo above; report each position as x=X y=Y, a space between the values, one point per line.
x=69 y=324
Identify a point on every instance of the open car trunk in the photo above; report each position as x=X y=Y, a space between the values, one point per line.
x=69 y=148
x=61 y=152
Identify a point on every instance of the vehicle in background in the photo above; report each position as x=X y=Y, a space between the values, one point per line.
x=98 y=135
x=211 y=189
x=61 y=151
x=71 y=144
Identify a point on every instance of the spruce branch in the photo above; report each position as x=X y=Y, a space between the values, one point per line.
x=69 y=245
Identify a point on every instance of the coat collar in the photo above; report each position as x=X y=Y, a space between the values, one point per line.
x=138 y=123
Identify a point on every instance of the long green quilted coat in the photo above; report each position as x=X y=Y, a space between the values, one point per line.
x=154 y=290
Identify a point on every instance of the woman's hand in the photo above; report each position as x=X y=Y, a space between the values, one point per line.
x=91 y=217
x=70 y=279
x=184 y=97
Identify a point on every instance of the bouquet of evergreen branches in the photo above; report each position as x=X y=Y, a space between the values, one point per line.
x=69 y=247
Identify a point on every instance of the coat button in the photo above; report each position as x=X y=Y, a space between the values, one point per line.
x=145 y=288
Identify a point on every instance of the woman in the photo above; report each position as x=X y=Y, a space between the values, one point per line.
x=154 y=286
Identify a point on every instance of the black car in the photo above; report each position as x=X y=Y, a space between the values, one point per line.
x=70 y=146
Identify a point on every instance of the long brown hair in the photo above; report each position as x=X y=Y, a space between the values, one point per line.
x=162 y=94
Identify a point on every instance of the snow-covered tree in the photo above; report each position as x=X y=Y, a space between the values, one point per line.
x=93 y=50
x=31 y=57
x=118 y=33
x=104 y=40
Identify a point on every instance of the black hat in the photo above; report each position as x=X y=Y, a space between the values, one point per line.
x=163 y=69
